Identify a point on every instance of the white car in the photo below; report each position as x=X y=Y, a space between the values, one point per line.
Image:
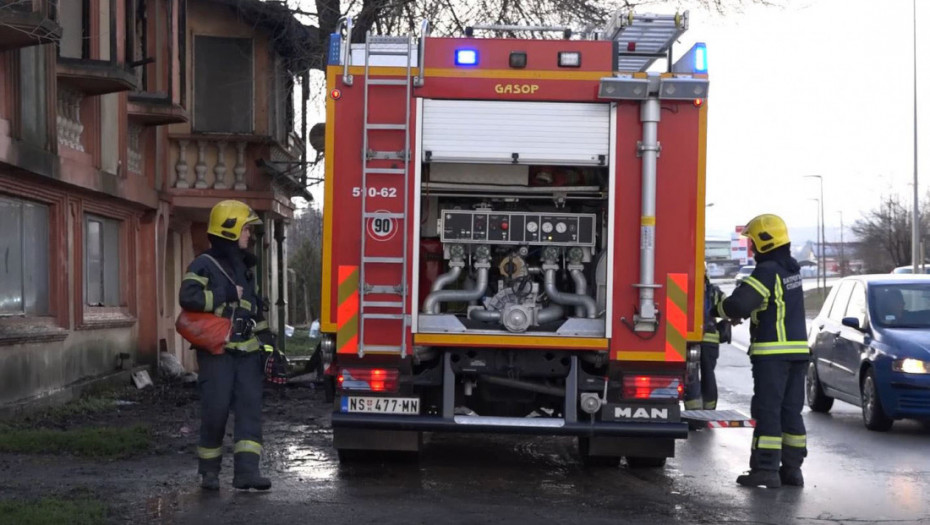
x=744 y=272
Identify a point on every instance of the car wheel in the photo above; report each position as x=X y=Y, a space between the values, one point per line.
x=817 y=400
x=873 y=415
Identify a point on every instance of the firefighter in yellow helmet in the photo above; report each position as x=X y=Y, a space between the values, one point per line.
x=221 y=280
x=773 y=298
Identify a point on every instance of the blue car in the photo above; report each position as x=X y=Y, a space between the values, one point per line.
x=870 y=346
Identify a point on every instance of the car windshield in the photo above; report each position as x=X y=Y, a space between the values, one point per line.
x=746 y=270
x=900 y=305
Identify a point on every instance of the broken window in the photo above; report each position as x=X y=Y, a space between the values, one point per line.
x=101 y=261
x=24 y=248
x=222 y=84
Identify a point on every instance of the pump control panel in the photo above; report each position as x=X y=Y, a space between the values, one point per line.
x=496 y=227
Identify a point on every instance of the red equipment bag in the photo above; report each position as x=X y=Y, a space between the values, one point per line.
x=204 y=330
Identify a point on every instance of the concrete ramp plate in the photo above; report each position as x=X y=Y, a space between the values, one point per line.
x=717 y=419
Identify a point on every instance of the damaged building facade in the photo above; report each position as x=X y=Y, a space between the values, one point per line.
x=122 y=122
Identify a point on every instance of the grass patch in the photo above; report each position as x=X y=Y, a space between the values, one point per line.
x=301 y=343
x=47 y=511
x=106 y=442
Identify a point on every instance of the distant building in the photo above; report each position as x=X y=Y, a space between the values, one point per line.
x=121 y=124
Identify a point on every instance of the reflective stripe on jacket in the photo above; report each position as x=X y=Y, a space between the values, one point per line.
x=773 y=299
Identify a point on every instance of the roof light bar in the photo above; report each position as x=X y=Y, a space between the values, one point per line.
x=466 y=57
x=694 y=61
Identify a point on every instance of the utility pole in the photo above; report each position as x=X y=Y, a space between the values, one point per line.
x=916 y=257
x=817 y=251
x=842 y=249
x=823 y=235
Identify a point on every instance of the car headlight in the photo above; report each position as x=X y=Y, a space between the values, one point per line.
x=911 y=366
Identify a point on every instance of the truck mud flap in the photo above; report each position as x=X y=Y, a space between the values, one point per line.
x=717 y=419
x=508 y=425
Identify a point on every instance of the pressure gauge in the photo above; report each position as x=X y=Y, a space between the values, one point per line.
x=547 y=227
x=532 y=227
x=560 y=227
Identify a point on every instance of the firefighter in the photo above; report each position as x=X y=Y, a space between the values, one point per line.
x=773 y=298
x=702 y=393
x=225 y=285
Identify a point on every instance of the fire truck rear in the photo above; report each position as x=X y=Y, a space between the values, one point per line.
x=513 y=235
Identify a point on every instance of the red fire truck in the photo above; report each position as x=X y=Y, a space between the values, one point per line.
x=513 y=235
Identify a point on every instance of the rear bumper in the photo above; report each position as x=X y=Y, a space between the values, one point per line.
x=502 y=425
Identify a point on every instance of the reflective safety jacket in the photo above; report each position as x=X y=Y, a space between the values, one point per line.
x=773 y=299
x=712 y=297
x=205 y=289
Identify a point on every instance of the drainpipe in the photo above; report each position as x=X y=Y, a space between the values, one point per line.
x=645 y=320
x=282 y=302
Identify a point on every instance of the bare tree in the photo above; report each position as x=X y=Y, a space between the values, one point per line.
x=450 y=17
x=884 y=235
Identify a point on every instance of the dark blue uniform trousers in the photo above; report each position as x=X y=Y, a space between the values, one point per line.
x=778 y=397
x=701 y=390
x=230 y=381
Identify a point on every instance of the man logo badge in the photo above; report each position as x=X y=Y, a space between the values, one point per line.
x=640 y=413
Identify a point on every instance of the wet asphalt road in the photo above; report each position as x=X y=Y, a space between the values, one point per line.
x=853 y=476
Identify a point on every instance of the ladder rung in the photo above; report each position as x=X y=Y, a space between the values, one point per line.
x=386 y=155
x=384 y=215
x=381 y=289
x=388 y=52
x=381 y=349
x=397 y=127
x=386 y=171
x=383 y=304
x=388 y=317
x=387 y=260
x=388 y=39
x=387 y=82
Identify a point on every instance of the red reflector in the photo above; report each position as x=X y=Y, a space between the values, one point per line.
x=336 y=94
x=652 y=387
x=698 y=102
x=631 y=46
x=373 y=379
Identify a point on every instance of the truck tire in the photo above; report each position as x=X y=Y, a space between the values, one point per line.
x=645 y=462
x=817 y=400
x=590 y=461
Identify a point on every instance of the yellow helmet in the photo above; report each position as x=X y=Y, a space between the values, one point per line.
x=228 y=218
x=767 y=232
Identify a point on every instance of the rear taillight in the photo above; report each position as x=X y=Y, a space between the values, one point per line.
x=372 y=379
x=652 y=387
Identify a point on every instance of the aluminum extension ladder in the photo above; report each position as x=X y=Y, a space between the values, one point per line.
x=392 y=310
x=644 y=38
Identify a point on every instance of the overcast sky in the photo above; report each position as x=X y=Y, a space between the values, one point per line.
x=814 y=87
x=817 y=87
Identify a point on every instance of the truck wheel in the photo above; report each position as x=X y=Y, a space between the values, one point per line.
x=873 y=415
x=817 y=400
x=641 y=462
x=584 y=447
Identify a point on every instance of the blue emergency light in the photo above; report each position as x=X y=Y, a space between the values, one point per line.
x=700 y=58
x=466 y=57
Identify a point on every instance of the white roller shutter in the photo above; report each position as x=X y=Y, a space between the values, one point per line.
x=537 y=132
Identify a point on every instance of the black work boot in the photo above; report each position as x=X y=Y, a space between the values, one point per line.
x=247 y=474
x=210 y=481
x=760 y=478
x=791 y=476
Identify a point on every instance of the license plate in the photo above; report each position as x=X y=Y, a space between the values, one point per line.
x=381 y=405
x=643 y=412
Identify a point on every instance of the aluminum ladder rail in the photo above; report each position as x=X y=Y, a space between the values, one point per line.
x=397 y=46
x=644 y=38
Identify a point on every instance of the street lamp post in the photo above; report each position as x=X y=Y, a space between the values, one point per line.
x=823 y=236
x=916 y=256
x=817 y=233
x=842 y=248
